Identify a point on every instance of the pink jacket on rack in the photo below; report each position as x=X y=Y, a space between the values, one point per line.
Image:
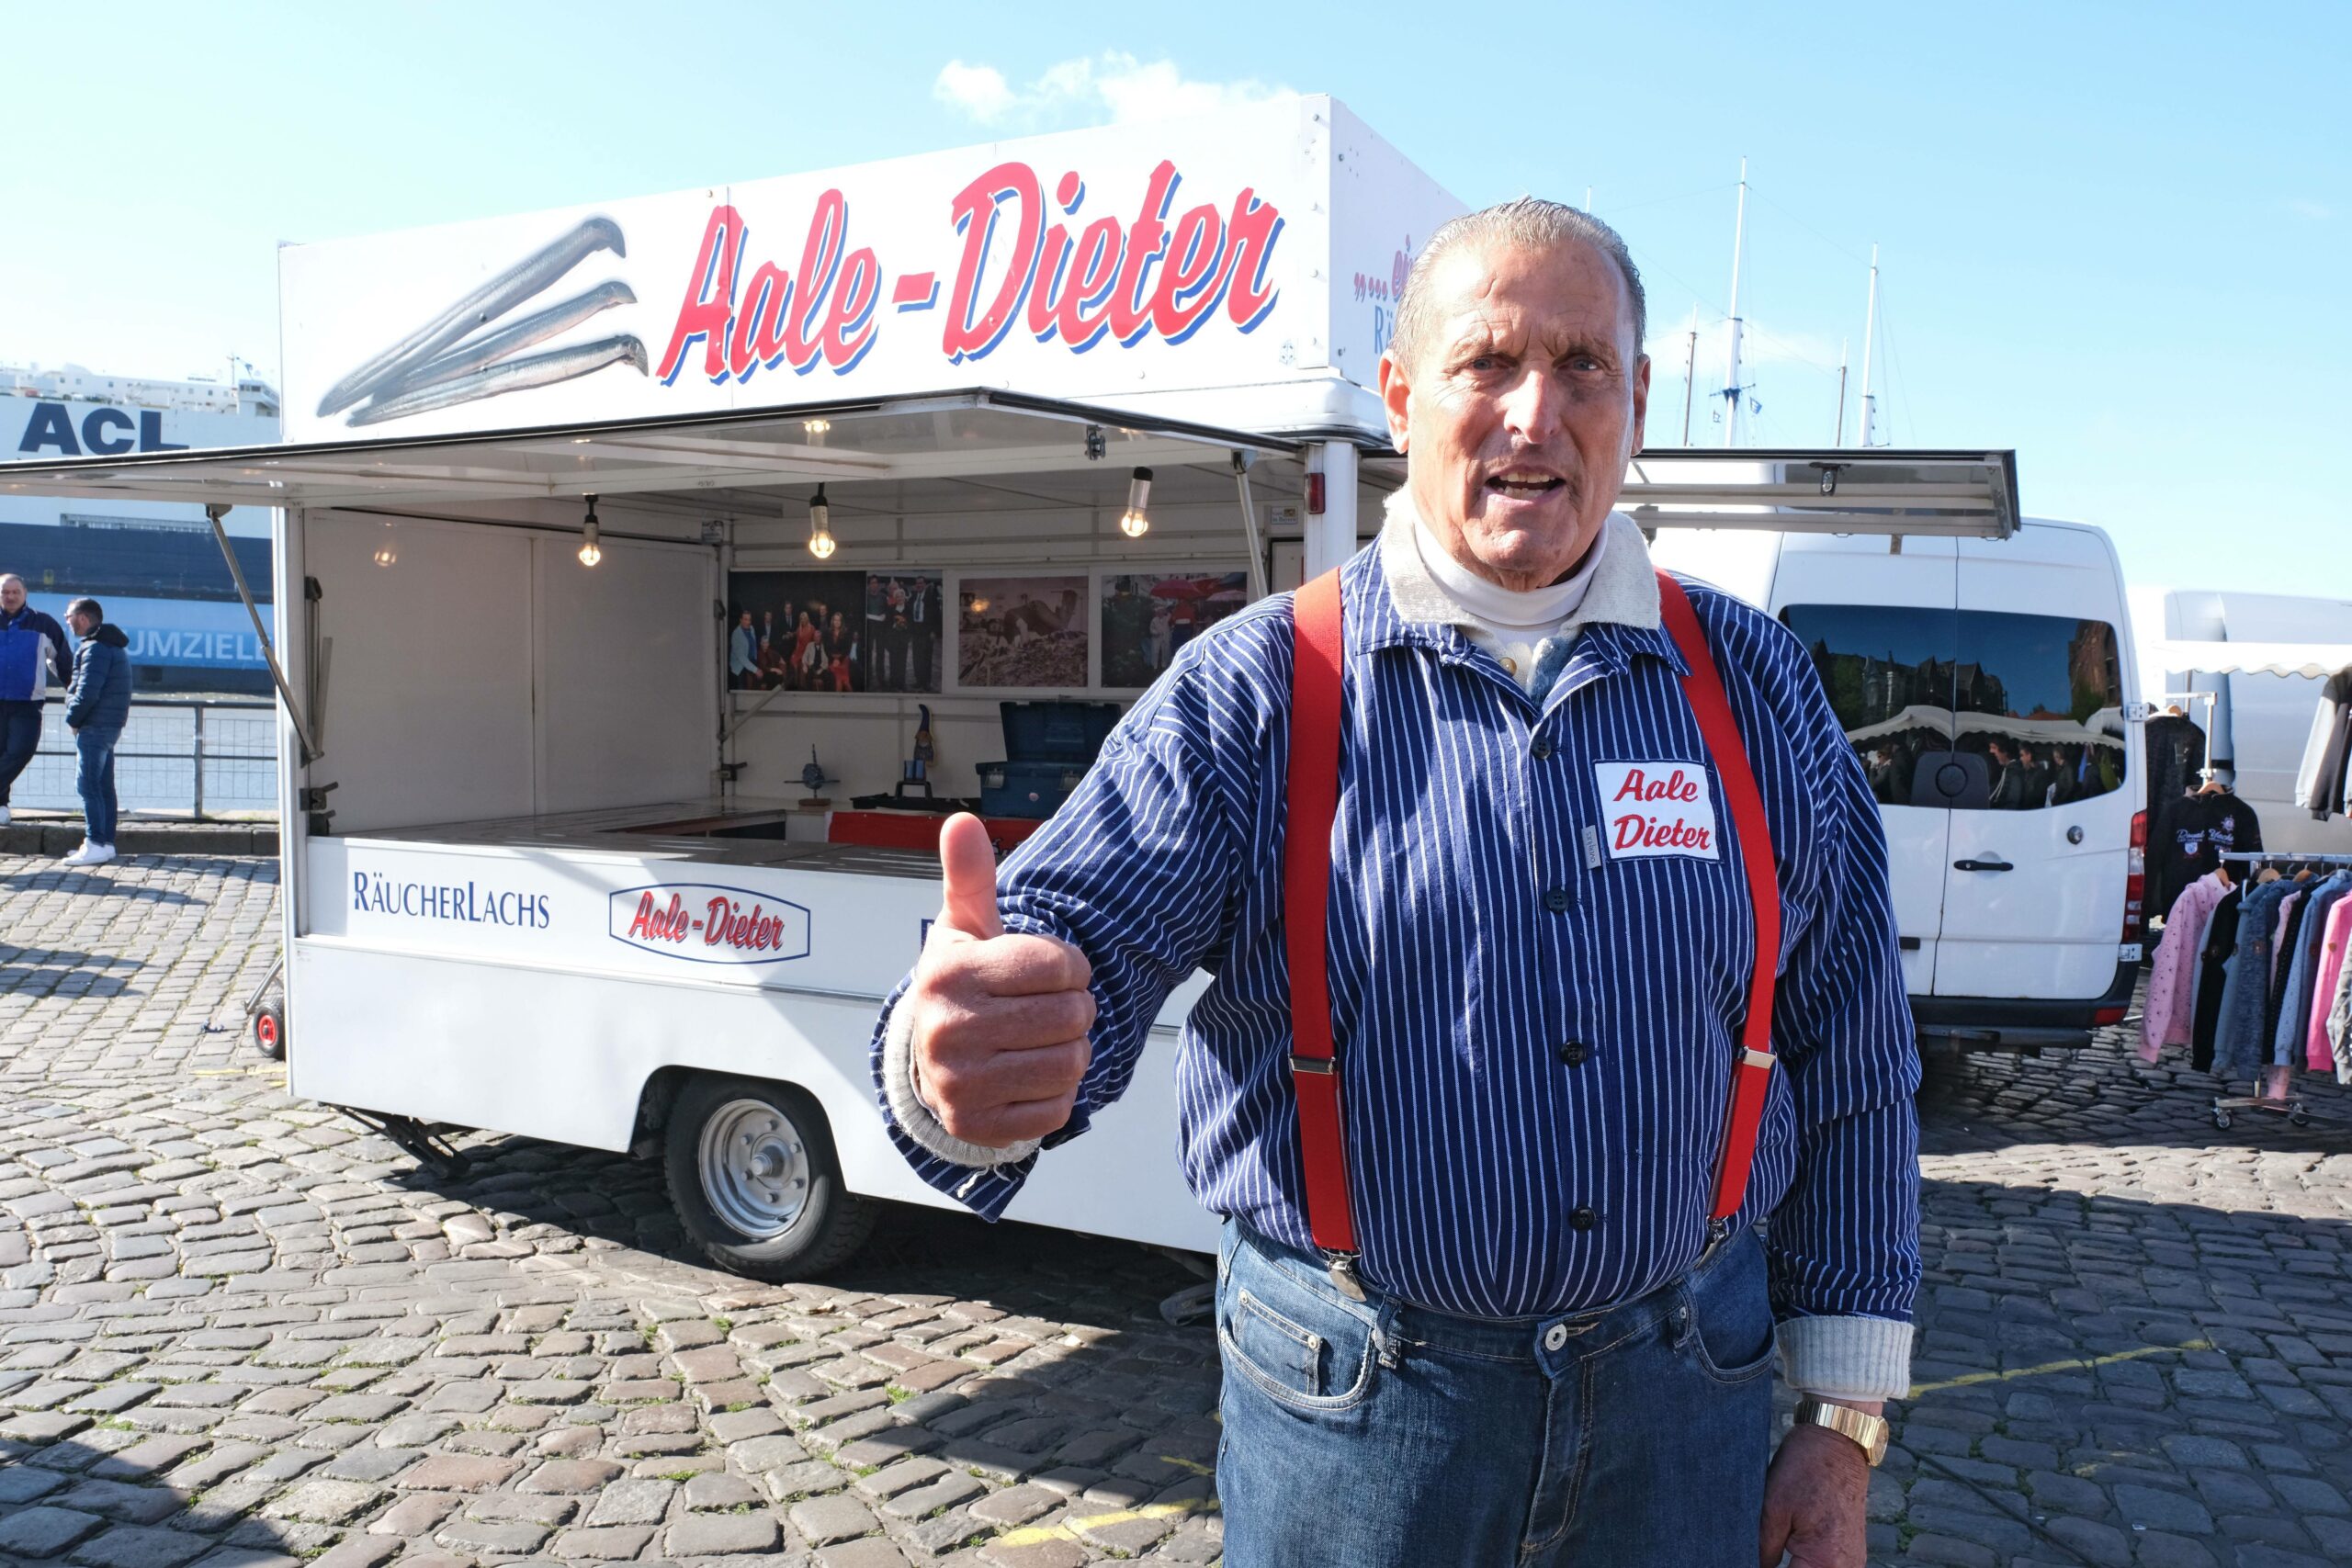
x=2170 y=1009
x=2319 y=1053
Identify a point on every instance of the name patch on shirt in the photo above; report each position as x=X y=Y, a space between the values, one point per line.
x=1657 y=809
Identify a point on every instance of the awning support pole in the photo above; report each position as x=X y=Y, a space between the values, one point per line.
x=745 y=716
x=1249 y=525
x=213 y=513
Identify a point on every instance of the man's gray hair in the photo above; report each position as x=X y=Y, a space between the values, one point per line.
x=1526 y=222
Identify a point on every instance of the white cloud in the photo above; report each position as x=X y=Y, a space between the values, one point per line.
x=1113 y=86
x=981 y=91
x=2304 y=208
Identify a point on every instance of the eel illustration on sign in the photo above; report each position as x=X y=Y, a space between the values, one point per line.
x=440 y=364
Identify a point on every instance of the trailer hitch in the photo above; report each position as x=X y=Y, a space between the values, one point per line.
x=417 y=1140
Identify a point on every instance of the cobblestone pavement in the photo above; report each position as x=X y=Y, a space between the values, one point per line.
x=237 y=1329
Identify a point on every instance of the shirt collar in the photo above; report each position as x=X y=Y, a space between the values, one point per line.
x=1391 y=601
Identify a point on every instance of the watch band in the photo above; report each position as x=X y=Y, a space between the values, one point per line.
x=1868 y=1432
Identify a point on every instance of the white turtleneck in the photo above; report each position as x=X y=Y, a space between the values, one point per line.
x=1507 y=624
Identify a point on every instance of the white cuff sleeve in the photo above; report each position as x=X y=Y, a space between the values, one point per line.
x=915 y=1118
x=1847 y=1358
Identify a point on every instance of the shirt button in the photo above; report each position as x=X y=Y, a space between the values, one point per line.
x=1574 y=1052
x=1541 y=749
x=1556 y=899
x=1555 y=1336
x=1582 y=1219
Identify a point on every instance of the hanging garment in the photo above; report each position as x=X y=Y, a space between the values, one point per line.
x=2288 y=1043
x=2170 y=1009
x=2198 y=830
x=2320 y=781
x=2212 y=977
x=2319 y=1052
x=2339 y=1024
x=2239 y=1042
x=2283 y=949
x=2175 y=749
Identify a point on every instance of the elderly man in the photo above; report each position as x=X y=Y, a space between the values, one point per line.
x=1557 y=1064
x=33 y=652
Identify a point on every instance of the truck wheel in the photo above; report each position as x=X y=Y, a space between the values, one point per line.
x=754 y=1179
x=268 y=1026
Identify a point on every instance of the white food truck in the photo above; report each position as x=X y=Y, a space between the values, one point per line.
x=627 y=554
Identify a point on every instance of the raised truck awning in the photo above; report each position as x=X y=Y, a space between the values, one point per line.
x=1873 y=490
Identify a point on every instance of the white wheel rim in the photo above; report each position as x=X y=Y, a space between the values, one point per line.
x=754 y=1168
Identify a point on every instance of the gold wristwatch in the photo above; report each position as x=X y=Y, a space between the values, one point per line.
x=1868 y=1432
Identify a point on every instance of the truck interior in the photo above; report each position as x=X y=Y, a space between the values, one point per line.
x=534 y=636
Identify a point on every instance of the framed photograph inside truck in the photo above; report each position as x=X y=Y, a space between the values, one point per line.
x=799 y=630
x=905 y=641
x=1023 y=633
x=1148 y=616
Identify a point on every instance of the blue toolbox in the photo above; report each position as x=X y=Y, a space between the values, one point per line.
x=1049 y=746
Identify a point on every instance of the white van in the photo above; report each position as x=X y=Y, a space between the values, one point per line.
x=1988 y=685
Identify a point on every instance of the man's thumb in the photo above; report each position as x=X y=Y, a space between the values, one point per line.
x=967 y=862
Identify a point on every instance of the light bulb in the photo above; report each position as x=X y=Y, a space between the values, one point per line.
x=815 y=428
x=388 y=552
x=589 y=551
x=821 y=532
x=1134 y=522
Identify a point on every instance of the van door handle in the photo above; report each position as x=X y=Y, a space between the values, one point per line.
x=1982 y=865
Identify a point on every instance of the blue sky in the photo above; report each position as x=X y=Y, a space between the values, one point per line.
x=2114 y=237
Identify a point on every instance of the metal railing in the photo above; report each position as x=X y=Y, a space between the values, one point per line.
x=190 y=756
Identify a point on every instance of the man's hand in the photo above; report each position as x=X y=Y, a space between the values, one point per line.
x=1000 y=1021
x=1814 y=1500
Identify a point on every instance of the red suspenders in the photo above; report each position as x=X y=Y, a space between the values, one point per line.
x=1313 y=805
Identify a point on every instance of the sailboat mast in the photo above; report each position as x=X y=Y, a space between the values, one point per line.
x=1839 y=439
x=1870 y=332
x=1689 y=374
x=1731 y=375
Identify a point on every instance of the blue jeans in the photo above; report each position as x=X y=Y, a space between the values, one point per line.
x=1374 y=1433
x=95 y=780
x=19 y=739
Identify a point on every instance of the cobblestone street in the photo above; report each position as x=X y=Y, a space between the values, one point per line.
x=237 y=1329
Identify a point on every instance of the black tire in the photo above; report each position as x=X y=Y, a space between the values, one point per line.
x=829 y=1222
x=268 y=1028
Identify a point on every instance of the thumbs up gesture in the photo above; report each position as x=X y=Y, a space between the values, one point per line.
x=1000 y=1022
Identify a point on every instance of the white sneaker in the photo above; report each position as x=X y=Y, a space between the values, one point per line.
x=4 y=816
x=88 y=854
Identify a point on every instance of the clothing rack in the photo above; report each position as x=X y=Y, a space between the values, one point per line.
x=2282 y=1103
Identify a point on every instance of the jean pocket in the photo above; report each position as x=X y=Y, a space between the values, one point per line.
x=1730 y=1333
x=1307 y=1354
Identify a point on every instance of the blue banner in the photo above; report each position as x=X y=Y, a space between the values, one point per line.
x=203 y=634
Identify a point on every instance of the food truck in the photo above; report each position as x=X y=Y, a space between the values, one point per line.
x=654 y=573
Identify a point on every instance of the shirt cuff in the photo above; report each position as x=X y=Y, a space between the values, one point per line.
x=915 y=1119
x=1847 y=1358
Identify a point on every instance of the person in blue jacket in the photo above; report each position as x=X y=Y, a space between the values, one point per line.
x=33 y=651
x=97 y=707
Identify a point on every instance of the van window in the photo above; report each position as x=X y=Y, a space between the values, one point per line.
x=1972 y=709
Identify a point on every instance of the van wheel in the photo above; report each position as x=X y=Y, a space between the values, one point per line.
x=268 y=1026
x=755 y=1182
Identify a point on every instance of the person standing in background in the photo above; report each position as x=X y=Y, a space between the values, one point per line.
x=33 y=650
x=97 y=705
x=743 y=653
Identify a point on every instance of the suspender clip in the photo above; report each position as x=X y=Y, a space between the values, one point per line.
x=1344 y=1274
x=1325 y=1064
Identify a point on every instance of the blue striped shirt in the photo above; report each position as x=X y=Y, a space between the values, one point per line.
x=1480 y=928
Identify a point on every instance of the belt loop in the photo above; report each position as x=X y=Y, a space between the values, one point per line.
x=1391 y=1354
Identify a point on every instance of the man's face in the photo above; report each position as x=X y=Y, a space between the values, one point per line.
x=83 y=625
x=1524 y=406
x=12 y=595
